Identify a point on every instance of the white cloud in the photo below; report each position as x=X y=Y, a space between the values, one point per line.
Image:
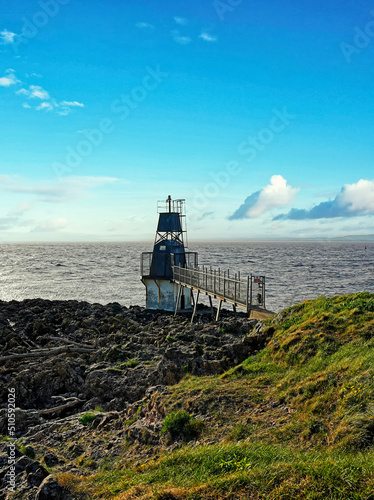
x=33 y=75
x=88 y=182
x=70 y=188
x=7 y=37
x=23 y=92
x=182 y=40
x=34 y=92
x=64 y=108
x=49 y=104
x=45 y=106
x=9 y=223
x=50 y=225
x=353 y=200
x=275 y=195
x=72 y=104
x=26 y=106
x=146 y=26
x=21 y=209
x=205 y=215
x=207 y=38
x=5 y=178
x=182 y=21
x=9 y=79
x=14 y=218
x=37 y=92
x=359 y=196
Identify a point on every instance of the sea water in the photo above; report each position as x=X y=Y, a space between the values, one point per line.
x=110 y=272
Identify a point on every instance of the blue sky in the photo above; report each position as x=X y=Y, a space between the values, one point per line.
x=259 y=114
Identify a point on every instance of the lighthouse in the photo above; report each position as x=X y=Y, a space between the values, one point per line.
x=169 y=250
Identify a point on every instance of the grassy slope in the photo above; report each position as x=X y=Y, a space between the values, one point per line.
x=295 y=421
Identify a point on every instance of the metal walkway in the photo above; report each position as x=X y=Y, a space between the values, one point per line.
x=248 y=293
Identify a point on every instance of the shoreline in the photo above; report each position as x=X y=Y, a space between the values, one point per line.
x=102 y=381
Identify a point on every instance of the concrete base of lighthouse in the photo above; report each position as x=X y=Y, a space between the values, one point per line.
x=163 y=295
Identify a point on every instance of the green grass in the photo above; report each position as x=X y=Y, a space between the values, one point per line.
x=129 y=363
x=295 y=421
x=87 y=418
x=270 y=472
x=28 y=451
x=322 y=367
x=180 y=425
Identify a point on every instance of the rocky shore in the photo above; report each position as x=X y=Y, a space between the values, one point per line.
x=67 y=358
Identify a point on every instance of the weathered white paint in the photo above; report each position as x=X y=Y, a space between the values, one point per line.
x=163 y=294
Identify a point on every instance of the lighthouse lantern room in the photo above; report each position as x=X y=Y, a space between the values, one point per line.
x=168 y=251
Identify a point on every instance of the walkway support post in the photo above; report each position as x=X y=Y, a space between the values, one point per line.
x=248 y=303
x=195 y=306
x=178 y=299
x=218 y=309
x=226 y=287
x=251 y=298
x=211 y=305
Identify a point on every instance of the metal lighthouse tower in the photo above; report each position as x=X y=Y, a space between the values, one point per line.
x=168 y=251
x=171 y=275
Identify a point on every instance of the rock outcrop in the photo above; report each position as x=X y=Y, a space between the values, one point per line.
x=66 y=357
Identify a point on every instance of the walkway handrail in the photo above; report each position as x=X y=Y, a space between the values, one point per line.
x=244 y=293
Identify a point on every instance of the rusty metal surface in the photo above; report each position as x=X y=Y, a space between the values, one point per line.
x=162 y=295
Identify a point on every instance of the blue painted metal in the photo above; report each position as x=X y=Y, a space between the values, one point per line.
x=169 y=247
x=165 y=254
x=169 y=222
x=170 y=273
x=168 y=251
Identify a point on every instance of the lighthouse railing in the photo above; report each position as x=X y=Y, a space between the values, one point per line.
x=191 y=259
x=230 y=287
